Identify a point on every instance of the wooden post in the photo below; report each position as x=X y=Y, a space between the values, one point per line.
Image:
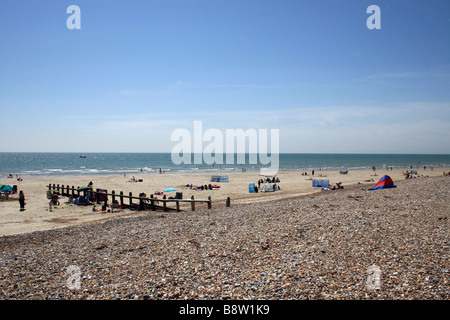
x=178 y=206
x=62 y=190
x=121 y=199
x=106 y=198
x=113 y=196
x=165 y=205
x=209 y=202
x=152 y=202
x=228 y=203
x=73 y=191
x=130 y=197
x=141 y=203
x=192 y=204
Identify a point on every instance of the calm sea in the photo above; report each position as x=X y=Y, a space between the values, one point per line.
x=48 y=164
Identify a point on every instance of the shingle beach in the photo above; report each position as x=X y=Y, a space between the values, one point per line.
x=343 y=244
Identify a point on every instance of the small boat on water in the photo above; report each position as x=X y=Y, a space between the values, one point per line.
x=83 y=157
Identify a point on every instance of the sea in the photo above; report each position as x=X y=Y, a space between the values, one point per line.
x=36 y=164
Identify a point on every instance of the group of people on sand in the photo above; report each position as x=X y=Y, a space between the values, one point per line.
x=409 y=174
x=105 y=207
x=202 y=187
x=306 y=173
x=412 y=174
x=337 y=186
x=7 y=193
x=10 y=176
x=274 y=179
x=113 y=207
x=268 y=180
x=133 y=179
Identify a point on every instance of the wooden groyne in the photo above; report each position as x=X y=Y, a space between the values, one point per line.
x=124 y=201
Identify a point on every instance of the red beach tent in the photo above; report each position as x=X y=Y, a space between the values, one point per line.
x=385 y=182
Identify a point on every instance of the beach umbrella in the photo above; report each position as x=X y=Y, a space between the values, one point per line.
x=5 y=188
x=170 y=189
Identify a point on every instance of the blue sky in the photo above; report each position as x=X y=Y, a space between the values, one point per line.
x=138 y=70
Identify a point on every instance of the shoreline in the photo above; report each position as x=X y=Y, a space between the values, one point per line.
x=293 y=184
x=55 y=173
x=51 y=164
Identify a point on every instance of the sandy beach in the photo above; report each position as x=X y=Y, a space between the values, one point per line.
x=37 y=216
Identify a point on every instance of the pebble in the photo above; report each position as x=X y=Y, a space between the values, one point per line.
x=345 y=244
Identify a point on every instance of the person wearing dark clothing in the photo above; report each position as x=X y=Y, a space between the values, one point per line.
x=22 y=200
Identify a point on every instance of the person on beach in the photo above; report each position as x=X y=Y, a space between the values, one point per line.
x=22 y=200
x=142 y=197
x=115 y=205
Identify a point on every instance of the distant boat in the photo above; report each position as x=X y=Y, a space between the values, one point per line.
x=82 y=156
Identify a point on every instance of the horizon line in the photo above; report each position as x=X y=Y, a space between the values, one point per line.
x=156 y=152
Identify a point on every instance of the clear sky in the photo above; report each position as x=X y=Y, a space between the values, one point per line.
x=138 y=70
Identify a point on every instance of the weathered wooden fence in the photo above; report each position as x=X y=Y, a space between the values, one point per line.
x=125 y=201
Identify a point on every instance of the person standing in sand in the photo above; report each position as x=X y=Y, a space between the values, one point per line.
x=22 y=200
